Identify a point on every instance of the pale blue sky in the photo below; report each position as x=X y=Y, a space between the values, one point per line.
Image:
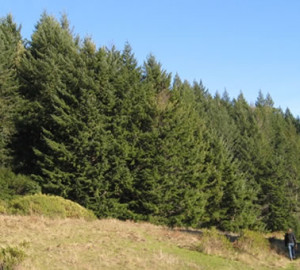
x=238 y=45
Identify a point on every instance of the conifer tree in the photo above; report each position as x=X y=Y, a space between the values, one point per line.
x=121 y=140
x=49 y=74
x=219 y=118
x=144 y=199
x=71 y=139
x=124 y=77
x=277 y=175
x=231 y=199
x=247 y=140
x=10 y=103
x=90 y=144
x=181 y=154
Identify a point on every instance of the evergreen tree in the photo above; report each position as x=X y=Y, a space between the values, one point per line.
x=90 y=144
x=247 y=140
x=49 y=74
x=10 y=103
x=124 y=80
x=231 y=199
x=276 y=176
x=219 y=117
x=182 y=151
x=120 y=139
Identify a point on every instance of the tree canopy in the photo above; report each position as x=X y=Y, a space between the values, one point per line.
x=132 y=142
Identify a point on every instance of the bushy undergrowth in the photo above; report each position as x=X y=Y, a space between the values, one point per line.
x=3 y=208
x=50 y=206
x=246 y=247
x=253 y=243
x=13 y=184
x=11 y=257
x=213 y=242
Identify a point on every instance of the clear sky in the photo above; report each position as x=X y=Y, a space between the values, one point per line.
x=238 y=45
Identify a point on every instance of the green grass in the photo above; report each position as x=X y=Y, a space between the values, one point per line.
x=111 y=244
x=11 y=257
x=50 y=206
x=59 y=234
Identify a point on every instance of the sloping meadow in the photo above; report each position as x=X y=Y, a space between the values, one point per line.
x=75 y=243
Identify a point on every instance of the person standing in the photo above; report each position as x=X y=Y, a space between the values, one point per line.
x=291 y=243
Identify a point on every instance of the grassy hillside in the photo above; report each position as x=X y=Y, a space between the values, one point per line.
x=112 y=244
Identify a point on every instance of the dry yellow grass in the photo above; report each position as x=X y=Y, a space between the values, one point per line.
x=61 y=244
x=77 y=244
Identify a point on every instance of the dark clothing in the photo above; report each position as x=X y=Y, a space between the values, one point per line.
x=289 y=238
x=291 y=244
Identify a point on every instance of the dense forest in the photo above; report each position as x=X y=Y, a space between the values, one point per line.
x=134 y=142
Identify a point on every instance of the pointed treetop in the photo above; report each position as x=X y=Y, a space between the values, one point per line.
x=269 y=100
x=177 y=81
x=226 y=96
x=64 y=22
x=89 y=46
x=264 y=102
x=128 y=56
x=241 y=98
x=8 y=23
x=153 y=72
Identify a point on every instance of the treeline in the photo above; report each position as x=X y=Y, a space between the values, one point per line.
x=127 y=141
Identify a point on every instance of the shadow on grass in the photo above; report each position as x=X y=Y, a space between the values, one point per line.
x=277 y=245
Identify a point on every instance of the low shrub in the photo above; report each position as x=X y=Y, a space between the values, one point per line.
x=11 y=257
x=50 y=206
x=253 y=243
x=13 y=184
x=3 y=209
x=214 y=242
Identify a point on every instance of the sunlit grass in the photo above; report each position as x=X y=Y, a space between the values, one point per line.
x=112 y=244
